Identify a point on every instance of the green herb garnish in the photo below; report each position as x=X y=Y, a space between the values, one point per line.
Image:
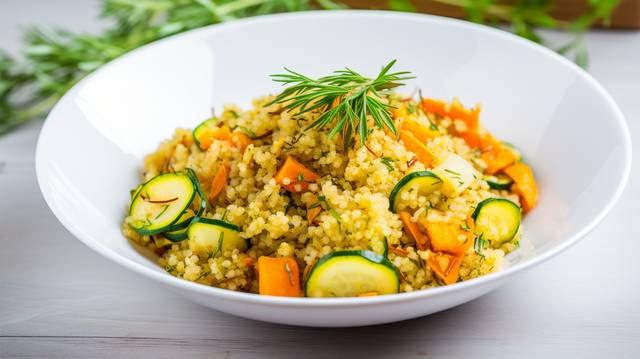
x=346 y=99
x=388 y=162
x=478 y=245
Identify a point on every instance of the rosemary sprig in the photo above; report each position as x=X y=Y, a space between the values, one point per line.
x=55 y=60
x=347 y=100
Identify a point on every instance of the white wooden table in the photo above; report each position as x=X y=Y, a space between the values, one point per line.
x=60 y=299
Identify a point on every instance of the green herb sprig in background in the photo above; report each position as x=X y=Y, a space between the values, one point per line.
x=55 y=60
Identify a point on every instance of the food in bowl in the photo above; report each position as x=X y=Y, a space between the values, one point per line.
x=337 y=187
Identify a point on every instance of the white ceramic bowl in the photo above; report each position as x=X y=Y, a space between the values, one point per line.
x=91 y=148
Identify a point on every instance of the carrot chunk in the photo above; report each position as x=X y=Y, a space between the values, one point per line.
x=294 y=176
x=219 y=182
x=278 y=276
x=413 y=231
x=422 y=133
x=498 y=159
x=445 y=266
x=434 y=106
x=413 y=144
x=240 y=140
x=525 y=184
x=215 y=133
x=454 y=239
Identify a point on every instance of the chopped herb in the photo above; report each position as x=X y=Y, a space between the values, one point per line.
x=452 y=172
x=335 y=215
x=300 y=177
x=224 y=214
x=465 y=227
x=432 y=126
x=478 y=245
x=248 y=132
x=388 y=162
x=220 y=242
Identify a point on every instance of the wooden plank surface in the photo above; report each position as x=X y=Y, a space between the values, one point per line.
x=58 y=299
x=626 y=14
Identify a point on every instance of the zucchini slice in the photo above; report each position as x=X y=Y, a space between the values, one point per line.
x=516 y=152
x=424 y=182
x=499 y=181
x=178 y=231
x=497 y=220
x=202 y=129
x=160 y=202
x=211 y=236
x=202 y=198
x=456 y=173
x=351 y=273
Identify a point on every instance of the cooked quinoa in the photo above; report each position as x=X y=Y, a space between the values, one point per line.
x=355 y=185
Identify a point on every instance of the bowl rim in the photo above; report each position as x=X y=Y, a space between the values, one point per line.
x=303 y=302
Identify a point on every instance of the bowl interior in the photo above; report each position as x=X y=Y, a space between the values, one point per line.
x=91 y=148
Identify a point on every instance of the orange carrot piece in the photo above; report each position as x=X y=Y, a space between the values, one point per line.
x=413 y=144
x=422 y=133
x=399 y=251
x=413 y=231
x=472 y=138
x=525 y=184
x=455 y=111
x=219 y=182
x=470 y=117
x=278 y=276
x=435 y=106
x=240 y=140
x=215 y=133
x=446 y=237
x=497 y=159
x=400 y=112
x=297 y=174
x=445 y=266
x=247 y=261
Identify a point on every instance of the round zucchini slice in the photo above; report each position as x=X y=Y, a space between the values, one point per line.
x=160 y=202
x=351 y=273
x=211 y=236
x=425 y=182
x=516 y=152
x=497 y=220
x=499 y=181
x=202 y=128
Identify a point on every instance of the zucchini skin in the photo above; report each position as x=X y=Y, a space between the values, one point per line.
x=405 y=181
x=177 y=235
x=215 y=222
x=196 y=183
x=205 y=123
x=175 y=226
x=147 y=232
x=478 y=211
x=497 y=185
x=372 y=257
